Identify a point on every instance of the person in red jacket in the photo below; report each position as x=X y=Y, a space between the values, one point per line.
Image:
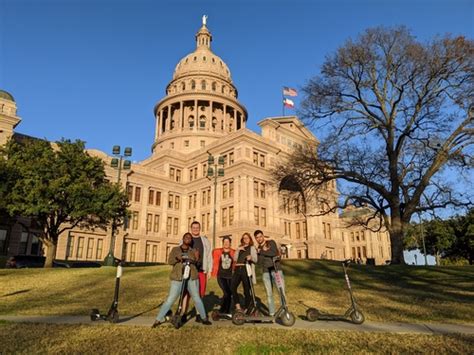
x=222 y=266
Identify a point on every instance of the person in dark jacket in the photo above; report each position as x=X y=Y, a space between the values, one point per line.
x=223 y=265
x=267 y=249
x=176 y=257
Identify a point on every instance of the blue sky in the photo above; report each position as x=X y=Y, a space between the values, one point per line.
x=94 y=69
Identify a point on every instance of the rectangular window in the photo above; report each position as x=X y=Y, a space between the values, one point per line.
x=231 y=215
x=262 y=190
x=224 y=190
x=138 y=191
x=133 y=251
x=80 y=247
x=208 y=196
x=255 y=189
x=225 y=160
x=130 y=192
x=298 y=231
x=178 y=175
x=156 y=223
x=362 y=235
x=191 y=174
x=90 y=248
x=324 y=231
x=231 y=189
x=3 y=241
x=224 y=217
x=204 y=199
x=186 y=143
x=194 y=200
x=151 y=197
x=190 y=201
x=364 y=252
x=329 y=231
x=71 y=246
x=286 y=228
x=175 y=226
x=149 y=221
x=256 y=213
x=154 y=253
x=204 y=169
x=203 y=144
x=135 y=220
x=264 y=217
x=23 y=249
x=352 y=237
x=357 y=236
x=98 y=249
x=176 y=202
x=172 y=173
x=305 y=231
x=262 y=160
x=158 y=198
x=203 y=221
x=354 y=253
x=195 y=173
x=169 y=223
x=231 y=158
x=147 y=252
x=255 y=158
x=170 y=200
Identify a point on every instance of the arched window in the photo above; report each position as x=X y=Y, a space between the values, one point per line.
x=214 y=123
x=193 y=85
x=203 y=85
x=202 y=122
x=214 y=86
x=191 y=121
x=183 y=86
x=223 y=89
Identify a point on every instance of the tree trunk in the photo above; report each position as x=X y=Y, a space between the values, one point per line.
x=397 y=234
x=50 y=254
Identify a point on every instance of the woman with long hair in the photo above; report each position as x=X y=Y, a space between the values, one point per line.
x=246 y=252
x=223 y=264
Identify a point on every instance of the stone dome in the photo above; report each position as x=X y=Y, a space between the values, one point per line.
x=6 y=96
x=202 y=61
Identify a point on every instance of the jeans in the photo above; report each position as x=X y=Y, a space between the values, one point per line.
x=268 y=281
x=175 y=289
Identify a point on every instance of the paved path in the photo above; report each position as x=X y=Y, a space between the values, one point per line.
x=426 y=328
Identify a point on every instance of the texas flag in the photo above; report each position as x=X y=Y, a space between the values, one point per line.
x=288 y=103
x=289 y=91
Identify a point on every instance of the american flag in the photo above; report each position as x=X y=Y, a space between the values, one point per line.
x=289 y=91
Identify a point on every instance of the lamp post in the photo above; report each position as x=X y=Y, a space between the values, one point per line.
x=215 y=169
x=118 y=163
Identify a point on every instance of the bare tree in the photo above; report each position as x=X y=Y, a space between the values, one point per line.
x=394 y=118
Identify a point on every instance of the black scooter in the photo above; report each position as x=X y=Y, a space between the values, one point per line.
x=113 y=314
x=253 y=315
x=177 y=318
x=353 y=313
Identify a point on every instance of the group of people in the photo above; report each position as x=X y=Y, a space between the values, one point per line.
x=225 y=264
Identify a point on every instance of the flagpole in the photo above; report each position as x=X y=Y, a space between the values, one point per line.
x=282 y=102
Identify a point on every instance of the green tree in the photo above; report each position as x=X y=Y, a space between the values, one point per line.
x=439 y=237
x=59 y=186
x=393 y=114
x=463 y=246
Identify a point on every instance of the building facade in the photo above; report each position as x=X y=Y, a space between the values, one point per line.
x=201 y=116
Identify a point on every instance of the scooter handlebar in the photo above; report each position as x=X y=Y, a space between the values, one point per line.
x=347 y=262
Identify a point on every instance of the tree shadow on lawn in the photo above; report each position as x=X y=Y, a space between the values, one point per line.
x=16 y=293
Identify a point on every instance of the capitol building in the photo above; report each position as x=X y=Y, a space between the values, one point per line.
x=201 y=117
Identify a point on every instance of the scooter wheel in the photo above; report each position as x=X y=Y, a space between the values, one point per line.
x=114 y=317
x=95 y=314
x=238 y=318
x=312 y=314
x=215 y=316
x=357 y=317
x=287 y=319
x=176 y=321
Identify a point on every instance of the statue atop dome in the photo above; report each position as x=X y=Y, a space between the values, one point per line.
x=204 y=20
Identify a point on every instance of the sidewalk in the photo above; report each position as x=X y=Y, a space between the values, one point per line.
x=425 y=328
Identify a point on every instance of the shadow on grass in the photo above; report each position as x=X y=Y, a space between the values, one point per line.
x=16 y=293
x=123 y=320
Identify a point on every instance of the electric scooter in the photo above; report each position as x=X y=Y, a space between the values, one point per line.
x=253 y=315
x=177 y=318
x=353 y=313
x=112 y=315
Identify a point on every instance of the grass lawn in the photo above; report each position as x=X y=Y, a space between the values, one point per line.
x=83 y=339
x=388 y=293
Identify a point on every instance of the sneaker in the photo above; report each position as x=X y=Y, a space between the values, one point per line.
x=206 y=321
x=156 y=324
x=198 y=319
